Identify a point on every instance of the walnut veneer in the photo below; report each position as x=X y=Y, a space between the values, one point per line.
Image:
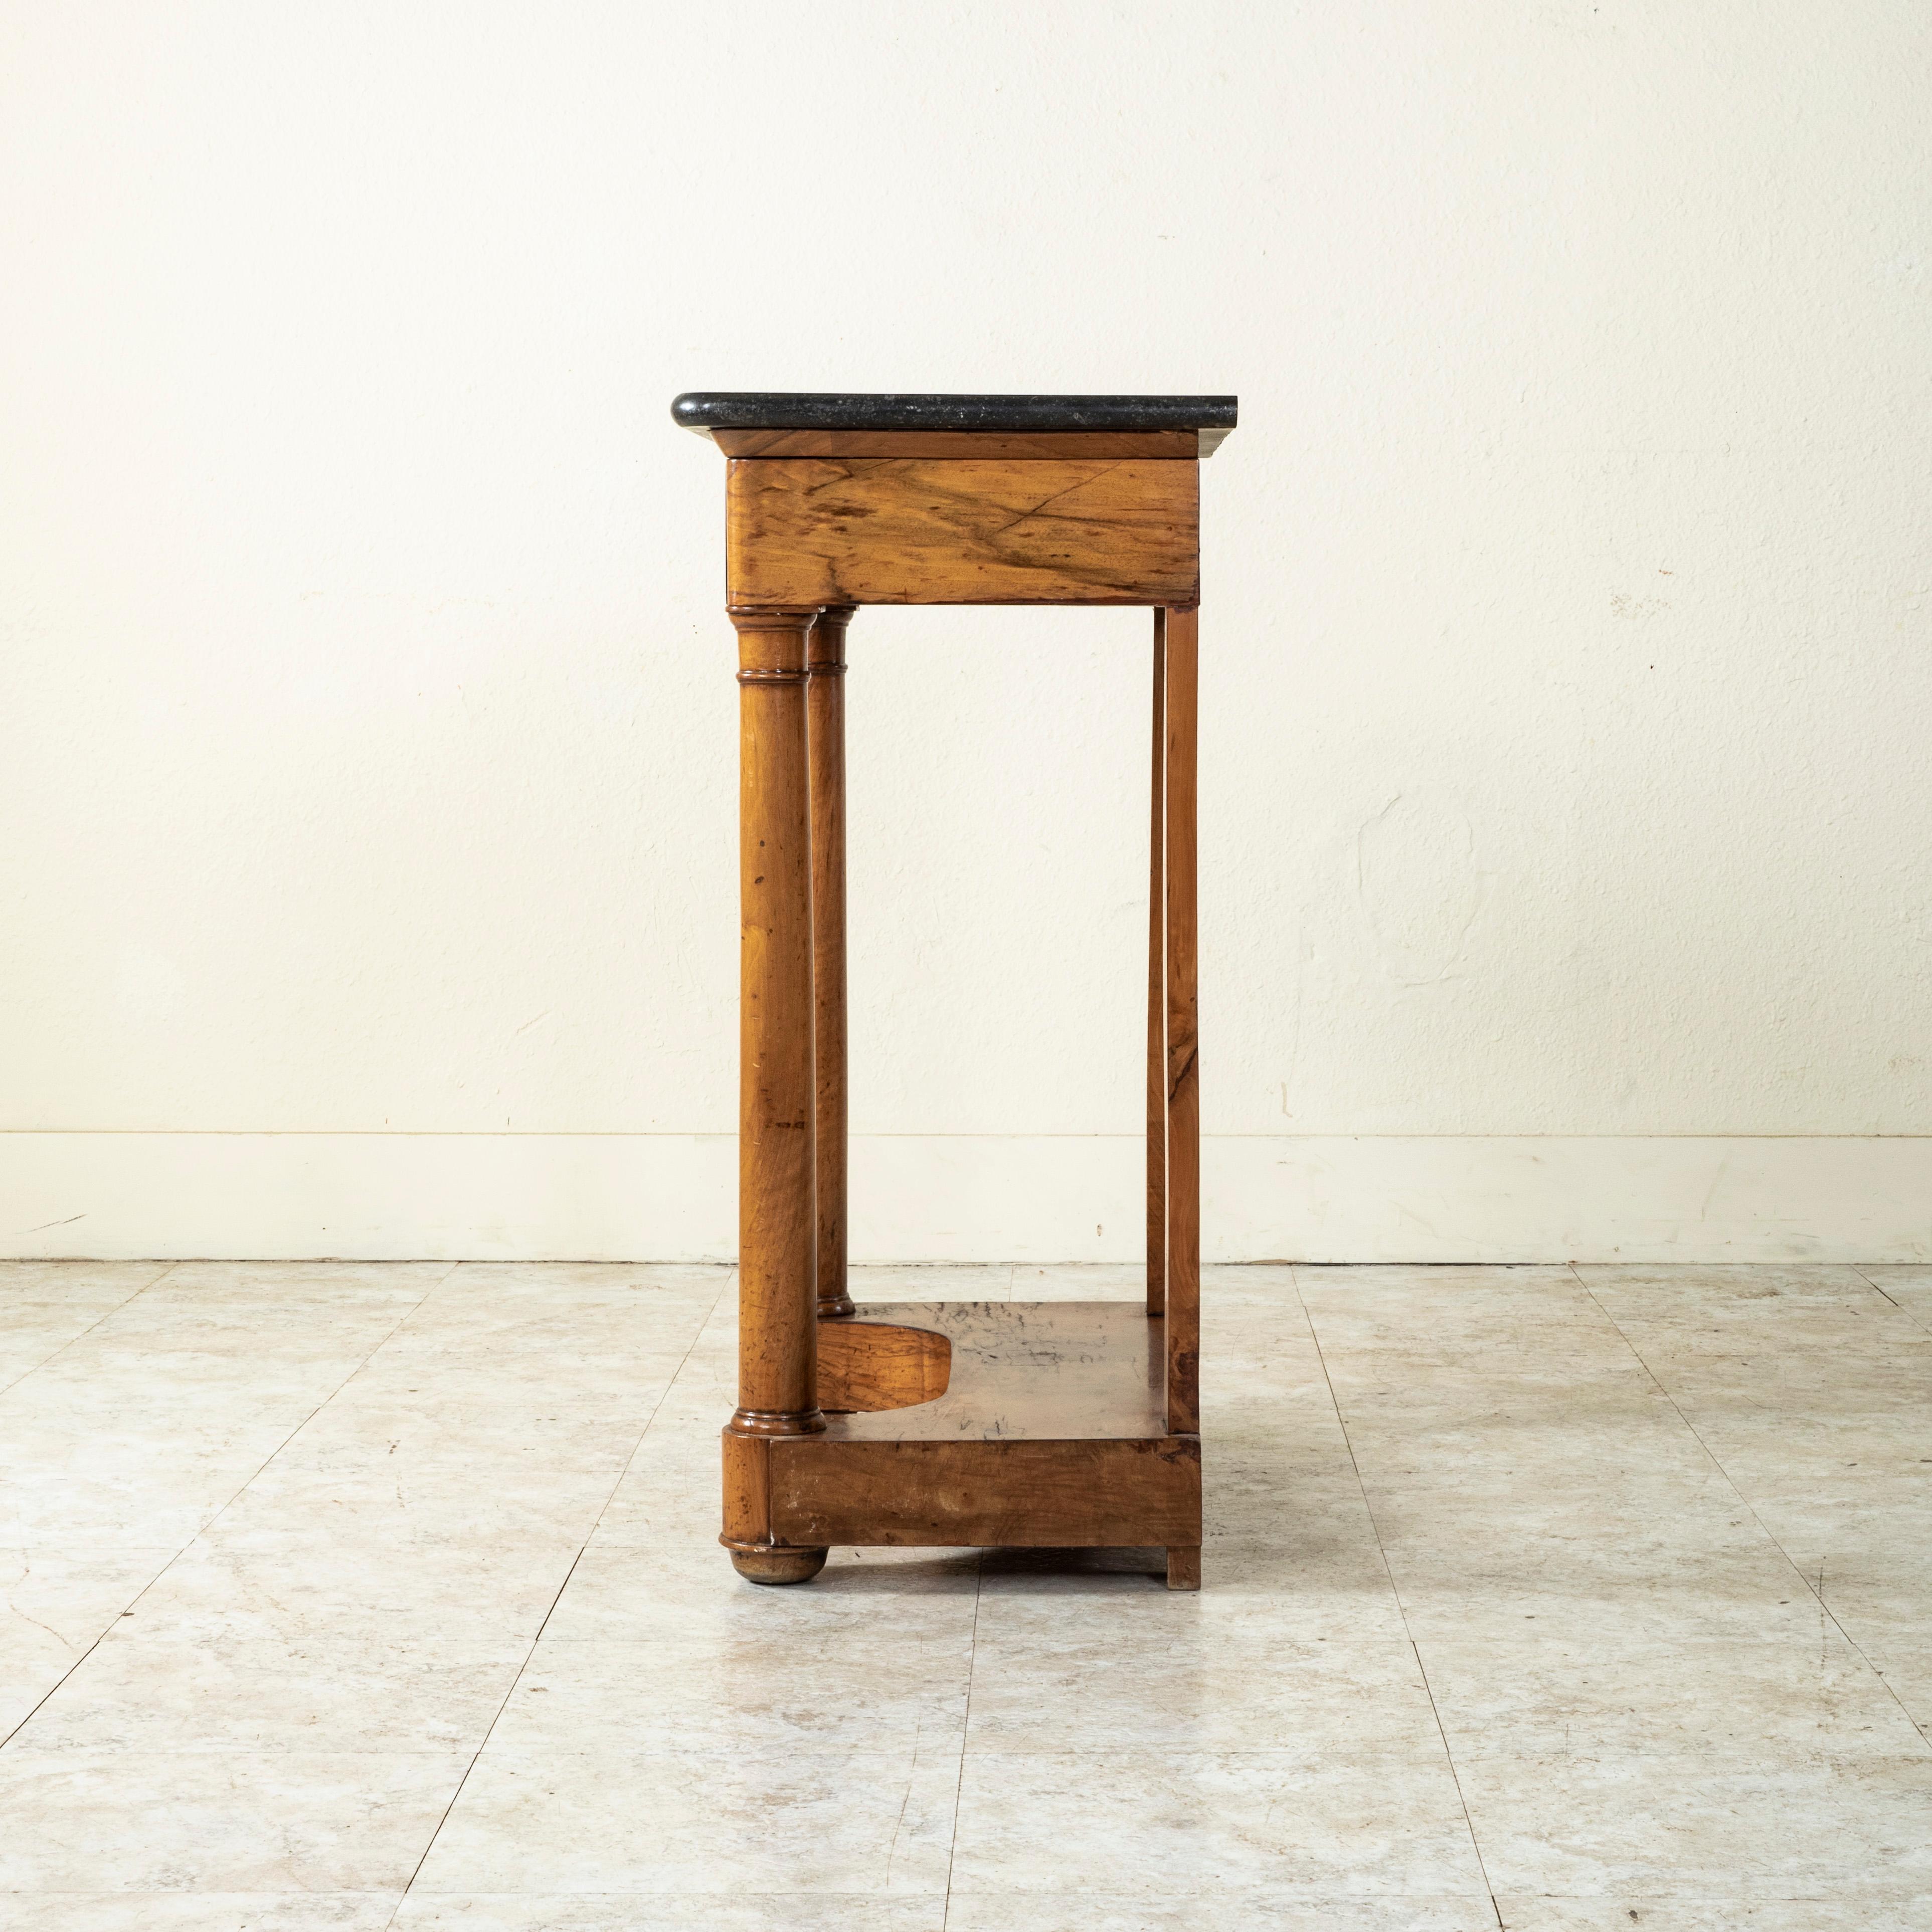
x=1063 y=1425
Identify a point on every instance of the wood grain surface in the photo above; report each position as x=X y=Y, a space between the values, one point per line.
x=825 y=709
x=865 y=1365
x=777 y=1290
x=965 y=1424
x=1156 y=1018
x=1060 y=1370
x=827 y=1489
x=1182 y=633
x=970 y=531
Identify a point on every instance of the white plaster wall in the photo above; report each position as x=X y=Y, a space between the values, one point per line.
x=366 y=755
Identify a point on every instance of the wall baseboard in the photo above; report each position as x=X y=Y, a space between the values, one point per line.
x=947 y=1198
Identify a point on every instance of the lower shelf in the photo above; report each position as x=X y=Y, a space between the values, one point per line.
x=1019 y=1423
x=1059 y=1371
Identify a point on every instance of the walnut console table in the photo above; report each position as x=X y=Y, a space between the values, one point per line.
x=1065 y=1425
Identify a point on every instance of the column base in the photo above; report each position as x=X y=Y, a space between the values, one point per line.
x=762 y=1424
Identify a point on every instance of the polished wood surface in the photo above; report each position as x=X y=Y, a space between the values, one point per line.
x=1157 y=1037
x=1046 y=1429
x=825 y=708
x=776 y=1565
x=1095 y=1494
x=966 y=531
x=1159 y=446
x=1182 y=640
x=748 y=1490
x=776 y=1285
x=1045 y=1369
x=870 y=1365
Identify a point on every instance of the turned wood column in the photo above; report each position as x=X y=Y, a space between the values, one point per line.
x=777 y=1286
x=825 y=707
x=1156 y=1017
x=1180 y=655
x=1182 y=652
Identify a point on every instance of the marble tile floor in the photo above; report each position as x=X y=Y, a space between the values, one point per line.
x=1549 y=1599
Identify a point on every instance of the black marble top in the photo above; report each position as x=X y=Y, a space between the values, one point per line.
x=705 y=410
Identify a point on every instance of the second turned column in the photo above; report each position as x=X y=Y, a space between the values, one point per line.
x=825 y=711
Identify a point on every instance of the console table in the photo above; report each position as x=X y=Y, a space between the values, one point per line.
x=1062 y=1424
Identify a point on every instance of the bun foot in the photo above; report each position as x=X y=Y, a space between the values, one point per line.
x=769 y=1563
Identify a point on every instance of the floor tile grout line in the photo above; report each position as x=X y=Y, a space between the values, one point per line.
x=490 y=1731
x=1013 y=1269
x=1878 y=1288
x=965 y=1727
x=1388 y=1570
x=1868 y=1281
x=726 y=1287
x=107 y=1314
x=1750 y=1509
x=231 y=1501
x=167 y=1269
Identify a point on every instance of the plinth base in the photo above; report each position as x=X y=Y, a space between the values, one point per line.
x=992 y=1424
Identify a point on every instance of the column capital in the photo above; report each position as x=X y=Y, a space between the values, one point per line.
x=766 y=617
x=825 y=650
x=772 y=642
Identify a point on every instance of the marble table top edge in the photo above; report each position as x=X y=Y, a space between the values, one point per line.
x=704 y=411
